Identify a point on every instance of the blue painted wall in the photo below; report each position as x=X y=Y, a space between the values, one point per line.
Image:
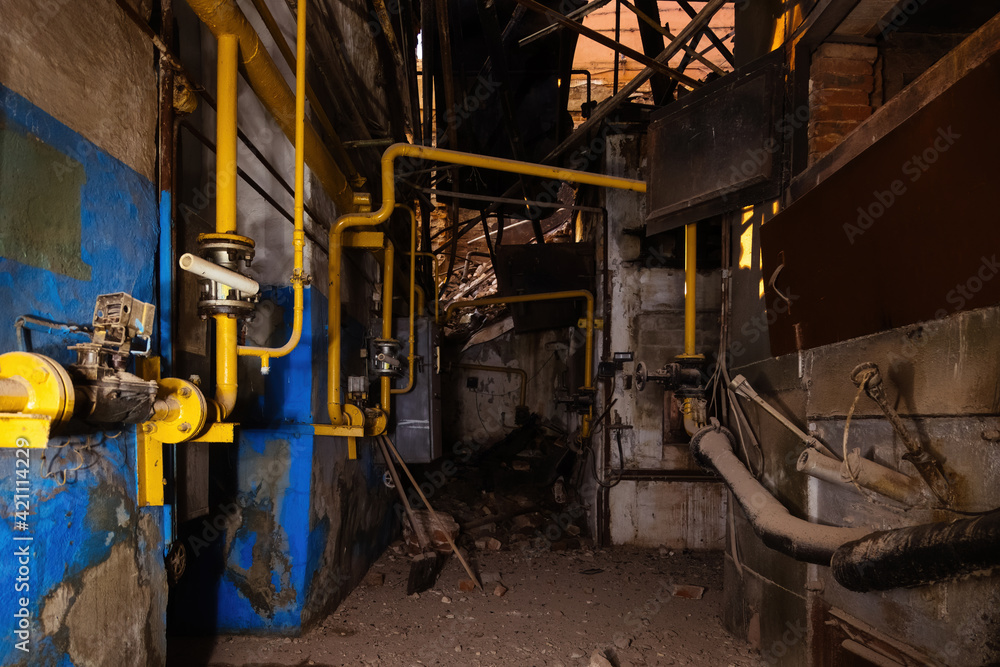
x=95 y=567
x=302 y=523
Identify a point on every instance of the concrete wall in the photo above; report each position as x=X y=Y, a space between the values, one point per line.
x=78 y=218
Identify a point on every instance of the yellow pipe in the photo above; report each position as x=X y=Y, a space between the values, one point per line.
x=225 y=213
x=369 y=219
x=344 y=160
x=412 y=359
x=503 y=369
x=437 y=286
x=388 y=275
x=421 y=299
x=690 y=274
x=298 y=236
x=224 y=17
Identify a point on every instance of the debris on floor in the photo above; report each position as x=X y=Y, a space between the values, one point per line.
x=551 y=615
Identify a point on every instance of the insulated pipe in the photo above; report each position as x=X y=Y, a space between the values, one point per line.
x=370 y=219
x=918 y=554
x=523 y=395
x=388 y=276
x=225 y=213
x=298 y=278
x=867 y=474
x=411 y=360
x=206 y=269
x=224 y=17
x=712 y=447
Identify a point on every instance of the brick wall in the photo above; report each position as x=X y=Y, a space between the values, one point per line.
x=841 y=85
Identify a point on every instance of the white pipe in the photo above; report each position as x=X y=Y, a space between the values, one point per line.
x=206 y=269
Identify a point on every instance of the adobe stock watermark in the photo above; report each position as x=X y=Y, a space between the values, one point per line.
x=914 y=169
x=963 y=292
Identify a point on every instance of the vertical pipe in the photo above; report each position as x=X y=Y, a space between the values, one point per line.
x=225 y=213
x=298 y=236
x=690 y=275
x=388 y=275
x=165 y=178
x=334 y=403
x=411 y=359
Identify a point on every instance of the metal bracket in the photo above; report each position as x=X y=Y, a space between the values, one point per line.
x=582 y=323
x=219 y=432
x=33 y=429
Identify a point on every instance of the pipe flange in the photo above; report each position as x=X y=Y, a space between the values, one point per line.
x=376 y=421
x=180 y=412
x=50 y=388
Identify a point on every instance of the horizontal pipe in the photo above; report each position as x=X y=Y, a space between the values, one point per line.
x=918 y=554
x=712 y=447
x=867 y=474
x=502 y=369
x=206 y=269
x=370 y=219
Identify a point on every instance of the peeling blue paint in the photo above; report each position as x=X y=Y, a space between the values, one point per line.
x=118 y=209
x=76 y=524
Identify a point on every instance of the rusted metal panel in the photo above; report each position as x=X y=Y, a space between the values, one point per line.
x=904 y=233
x=716 y=148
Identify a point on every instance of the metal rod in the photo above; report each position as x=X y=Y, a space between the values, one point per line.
x=434 y=516
x=654 y=63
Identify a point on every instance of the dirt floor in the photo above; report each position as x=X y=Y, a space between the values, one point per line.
x=574 y=608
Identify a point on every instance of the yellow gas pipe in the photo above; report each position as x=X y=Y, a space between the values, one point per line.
x=224 y=17
x=225 y=214
x=690 y=315
x=298 y=278
x=437 y=295
x=411 y=361
x=338 y=415
x=388 y=275
x=690 y=274
x=588 y=362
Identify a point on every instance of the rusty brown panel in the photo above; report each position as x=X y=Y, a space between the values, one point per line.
x=905 y=232
x=717 y=148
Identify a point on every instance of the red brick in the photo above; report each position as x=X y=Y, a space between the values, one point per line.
x=824 y=144
x=831 y=80
x=853 y=51
x=838 y=96
x=825 y=112
x=840 y=66
x=836 y=128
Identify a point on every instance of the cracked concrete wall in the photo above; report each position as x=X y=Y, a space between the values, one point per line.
x=647 y=318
